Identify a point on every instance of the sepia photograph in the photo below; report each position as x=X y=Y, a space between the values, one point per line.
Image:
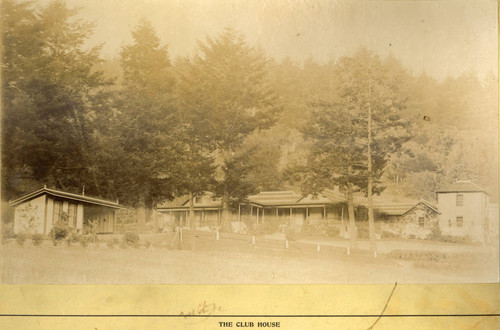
x=249 y=142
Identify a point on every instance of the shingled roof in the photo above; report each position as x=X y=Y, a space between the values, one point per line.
x=268 y=198
x=461 y=186
x=67 y=195
x=182 y=202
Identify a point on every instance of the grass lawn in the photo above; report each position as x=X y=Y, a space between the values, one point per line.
x=234 y=260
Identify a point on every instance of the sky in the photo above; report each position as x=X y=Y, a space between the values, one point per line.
x=442 y=38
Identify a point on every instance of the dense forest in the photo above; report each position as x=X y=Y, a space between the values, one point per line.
x=143 y=128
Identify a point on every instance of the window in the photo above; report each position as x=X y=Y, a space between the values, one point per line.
x=421 y=222
x=460 y=221
x=72 y=214
x=460 y=200
x=197 y=199
x=449 y=222
x=57 y=212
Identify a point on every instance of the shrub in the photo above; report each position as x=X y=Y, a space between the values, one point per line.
x=54 y=241
x=84 y=241
x=131 y=238
x=91 y=229
x=389 y=234
x=266 y=228
x=315 y=228
x=20 y=238
x=292 y=233
x=363 y=232
x=456 y=239
x=113 y=243
x=7 y=232
x=435 y=234
x=333 y=231
x=60 y=230
x=37 y=239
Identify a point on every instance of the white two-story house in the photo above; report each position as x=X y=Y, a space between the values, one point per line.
x=464 y=209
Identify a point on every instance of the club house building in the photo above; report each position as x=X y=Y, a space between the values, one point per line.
x=38 y=211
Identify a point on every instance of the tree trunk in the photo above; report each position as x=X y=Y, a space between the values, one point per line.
x=155 y=221
x=141 y=216
x=192 y=225
x=371 y=220
x=350 y=211
x=226 y=216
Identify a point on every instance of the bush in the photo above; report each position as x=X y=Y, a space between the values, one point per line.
x=7 y=232
x=436 y=235
x=332 y=231
x=131 y=239
x=84 y=241
x=37 y=239
x=20 y=238
x=123 y=245
x=266 y=228
x=91 y=229
x=292 y=233
x=456 y=239
x=315 y=228
x=389 y=234
x=60 y=230
x=113 y=243
x=363 y=232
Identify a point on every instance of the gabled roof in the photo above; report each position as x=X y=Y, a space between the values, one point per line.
x=285 y=198
x=461 y=186
x=66 y=195
x=429 y=205
x=268 y=198
x=314 y=199
x=401 y=208
x=334 y=196
x=207 y=201
x=393 y=209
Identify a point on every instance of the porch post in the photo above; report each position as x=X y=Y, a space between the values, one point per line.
x=239 y=212
x=257 y=215
x=291 y=216
x=263 y=214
